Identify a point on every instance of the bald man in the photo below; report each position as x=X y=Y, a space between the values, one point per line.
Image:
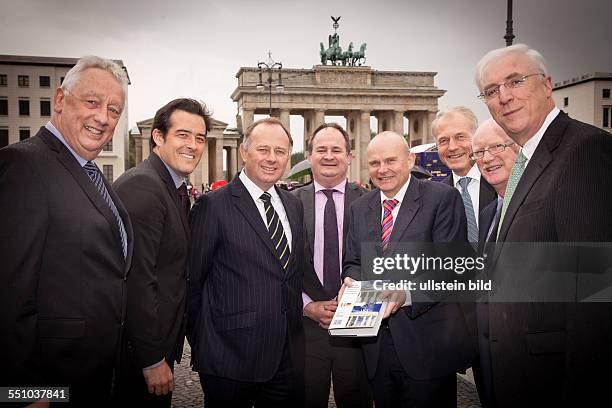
x=413 y=360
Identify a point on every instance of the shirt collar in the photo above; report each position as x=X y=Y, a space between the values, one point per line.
x=49 y=126
x=400 y=194
x=254 y=189
x=340 y=187
x=474 y=173
x=531 y=145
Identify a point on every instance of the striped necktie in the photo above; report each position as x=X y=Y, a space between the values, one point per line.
x=96 y=177
x=276 y=231
x=513 y=180
x=472 y=227
x=387 y=222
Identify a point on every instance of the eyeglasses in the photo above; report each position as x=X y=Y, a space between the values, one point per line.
x=513 y=83
x=494 y=150
x=92 y=102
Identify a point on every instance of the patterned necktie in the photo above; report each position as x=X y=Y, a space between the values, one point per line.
x=387 y=222
x=96 y=177
x=331 y=246
x=185 y=203
x=276 y=231
x=472 y=227
x=515 y=176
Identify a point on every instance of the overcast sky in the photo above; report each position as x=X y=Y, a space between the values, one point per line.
x=194 y=48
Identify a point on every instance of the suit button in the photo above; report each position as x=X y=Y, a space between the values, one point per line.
x=122 y=323
x=125 y=278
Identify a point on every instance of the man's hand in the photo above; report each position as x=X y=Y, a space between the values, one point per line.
x=395 y=299
x=321 y=312
x=160 y=379
x=347 y=283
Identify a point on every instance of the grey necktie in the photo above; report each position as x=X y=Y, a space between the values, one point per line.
x=472 y=227
x=513 y=180
x=96 y=177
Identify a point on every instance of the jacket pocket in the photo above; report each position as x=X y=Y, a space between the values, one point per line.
x=61 y=328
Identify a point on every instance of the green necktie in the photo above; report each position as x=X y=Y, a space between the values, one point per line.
x=515 y=176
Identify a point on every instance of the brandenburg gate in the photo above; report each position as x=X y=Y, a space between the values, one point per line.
x=355 y=92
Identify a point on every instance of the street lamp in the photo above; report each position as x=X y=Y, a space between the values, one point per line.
x=269 y=67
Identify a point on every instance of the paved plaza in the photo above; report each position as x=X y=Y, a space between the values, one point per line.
x=188 y=392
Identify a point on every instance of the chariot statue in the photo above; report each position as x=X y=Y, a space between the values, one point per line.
x=334 y=54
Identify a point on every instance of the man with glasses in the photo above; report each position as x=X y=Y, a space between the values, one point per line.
x=65 y=243
x=453 y=130
x=559 y=190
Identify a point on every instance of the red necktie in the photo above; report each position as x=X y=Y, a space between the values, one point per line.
x=387 y=222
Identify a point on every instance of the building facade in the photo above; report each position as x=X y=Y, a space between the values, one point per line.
x=587 y=98
x=27 y=86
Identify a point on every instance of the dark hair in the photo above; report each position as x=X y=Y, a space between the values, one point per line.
x=269 y=121
x=161 y=121
x=336 y=126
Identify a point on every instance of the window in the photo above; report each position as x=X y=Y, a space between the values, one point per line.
x=24 y=133
x=3 y=107
x=566 y=101
x=108 y=147
x=3 y=80
x=23 y=80
x=605 y=93
x=24 y=107
x=107 y=170
x=44 y=81
x=45 y=107
x=3 y=137
x=607 y=115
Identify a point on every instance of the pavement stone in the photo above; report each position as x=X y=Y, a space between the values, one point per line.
x=188 y=392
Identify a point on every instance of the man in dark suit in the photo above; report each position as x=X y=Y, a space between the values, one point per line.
x=65 y=243
x=413 y=360
x=245 y=281
x=453 y=130
x=155 y=195
x=326 y=203
x=495 y=154
x=559 y=190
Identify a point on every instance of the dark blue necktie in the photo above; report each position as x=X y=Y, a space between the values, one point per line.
x=96 y=177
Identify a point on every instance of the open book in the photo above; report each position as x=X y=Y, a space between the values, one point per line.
x=359 y=312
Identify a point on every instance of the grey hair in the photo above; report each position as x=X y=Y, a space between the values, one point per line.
x=534 y=56
x=268 y=121
x=92 y=61
x=460 y=110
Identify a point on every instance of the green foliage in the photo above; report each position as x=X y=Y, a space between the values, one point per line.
x=296 y=158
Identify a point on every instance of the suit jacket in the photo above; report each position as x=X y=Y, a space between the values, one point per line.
x=157 y=284
x=487 y=217
x=486 y=196
x=312 y=285
x=242 y=306
x=63 y=301
x=431 y=341
x=556 y=353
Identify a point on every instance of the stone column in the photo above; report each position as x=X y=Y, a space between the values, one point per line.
x=219 y=160
x=429 y=118
x=353 y=125
x=398 y=122
x=319 y=118
x=248 y=117
x=309 y=118
x=232 y=164
x=364 y=139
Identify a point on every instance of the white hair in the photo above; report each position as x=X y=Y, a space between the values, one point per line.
x=460 y=110
x=534 y=56
x=92 y=61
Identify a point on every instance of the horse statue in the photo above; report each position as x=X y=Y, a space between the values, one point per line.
x=333 y=54
x=358 y=57
x=347 y=55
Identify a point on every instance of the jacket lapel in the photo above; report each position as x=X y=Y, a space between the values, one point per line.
x=351 y=193
x=66 y=158
x=294 y=224
x=309 y=215
x=539 y=161
x=160 y=168
x=374 y=229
